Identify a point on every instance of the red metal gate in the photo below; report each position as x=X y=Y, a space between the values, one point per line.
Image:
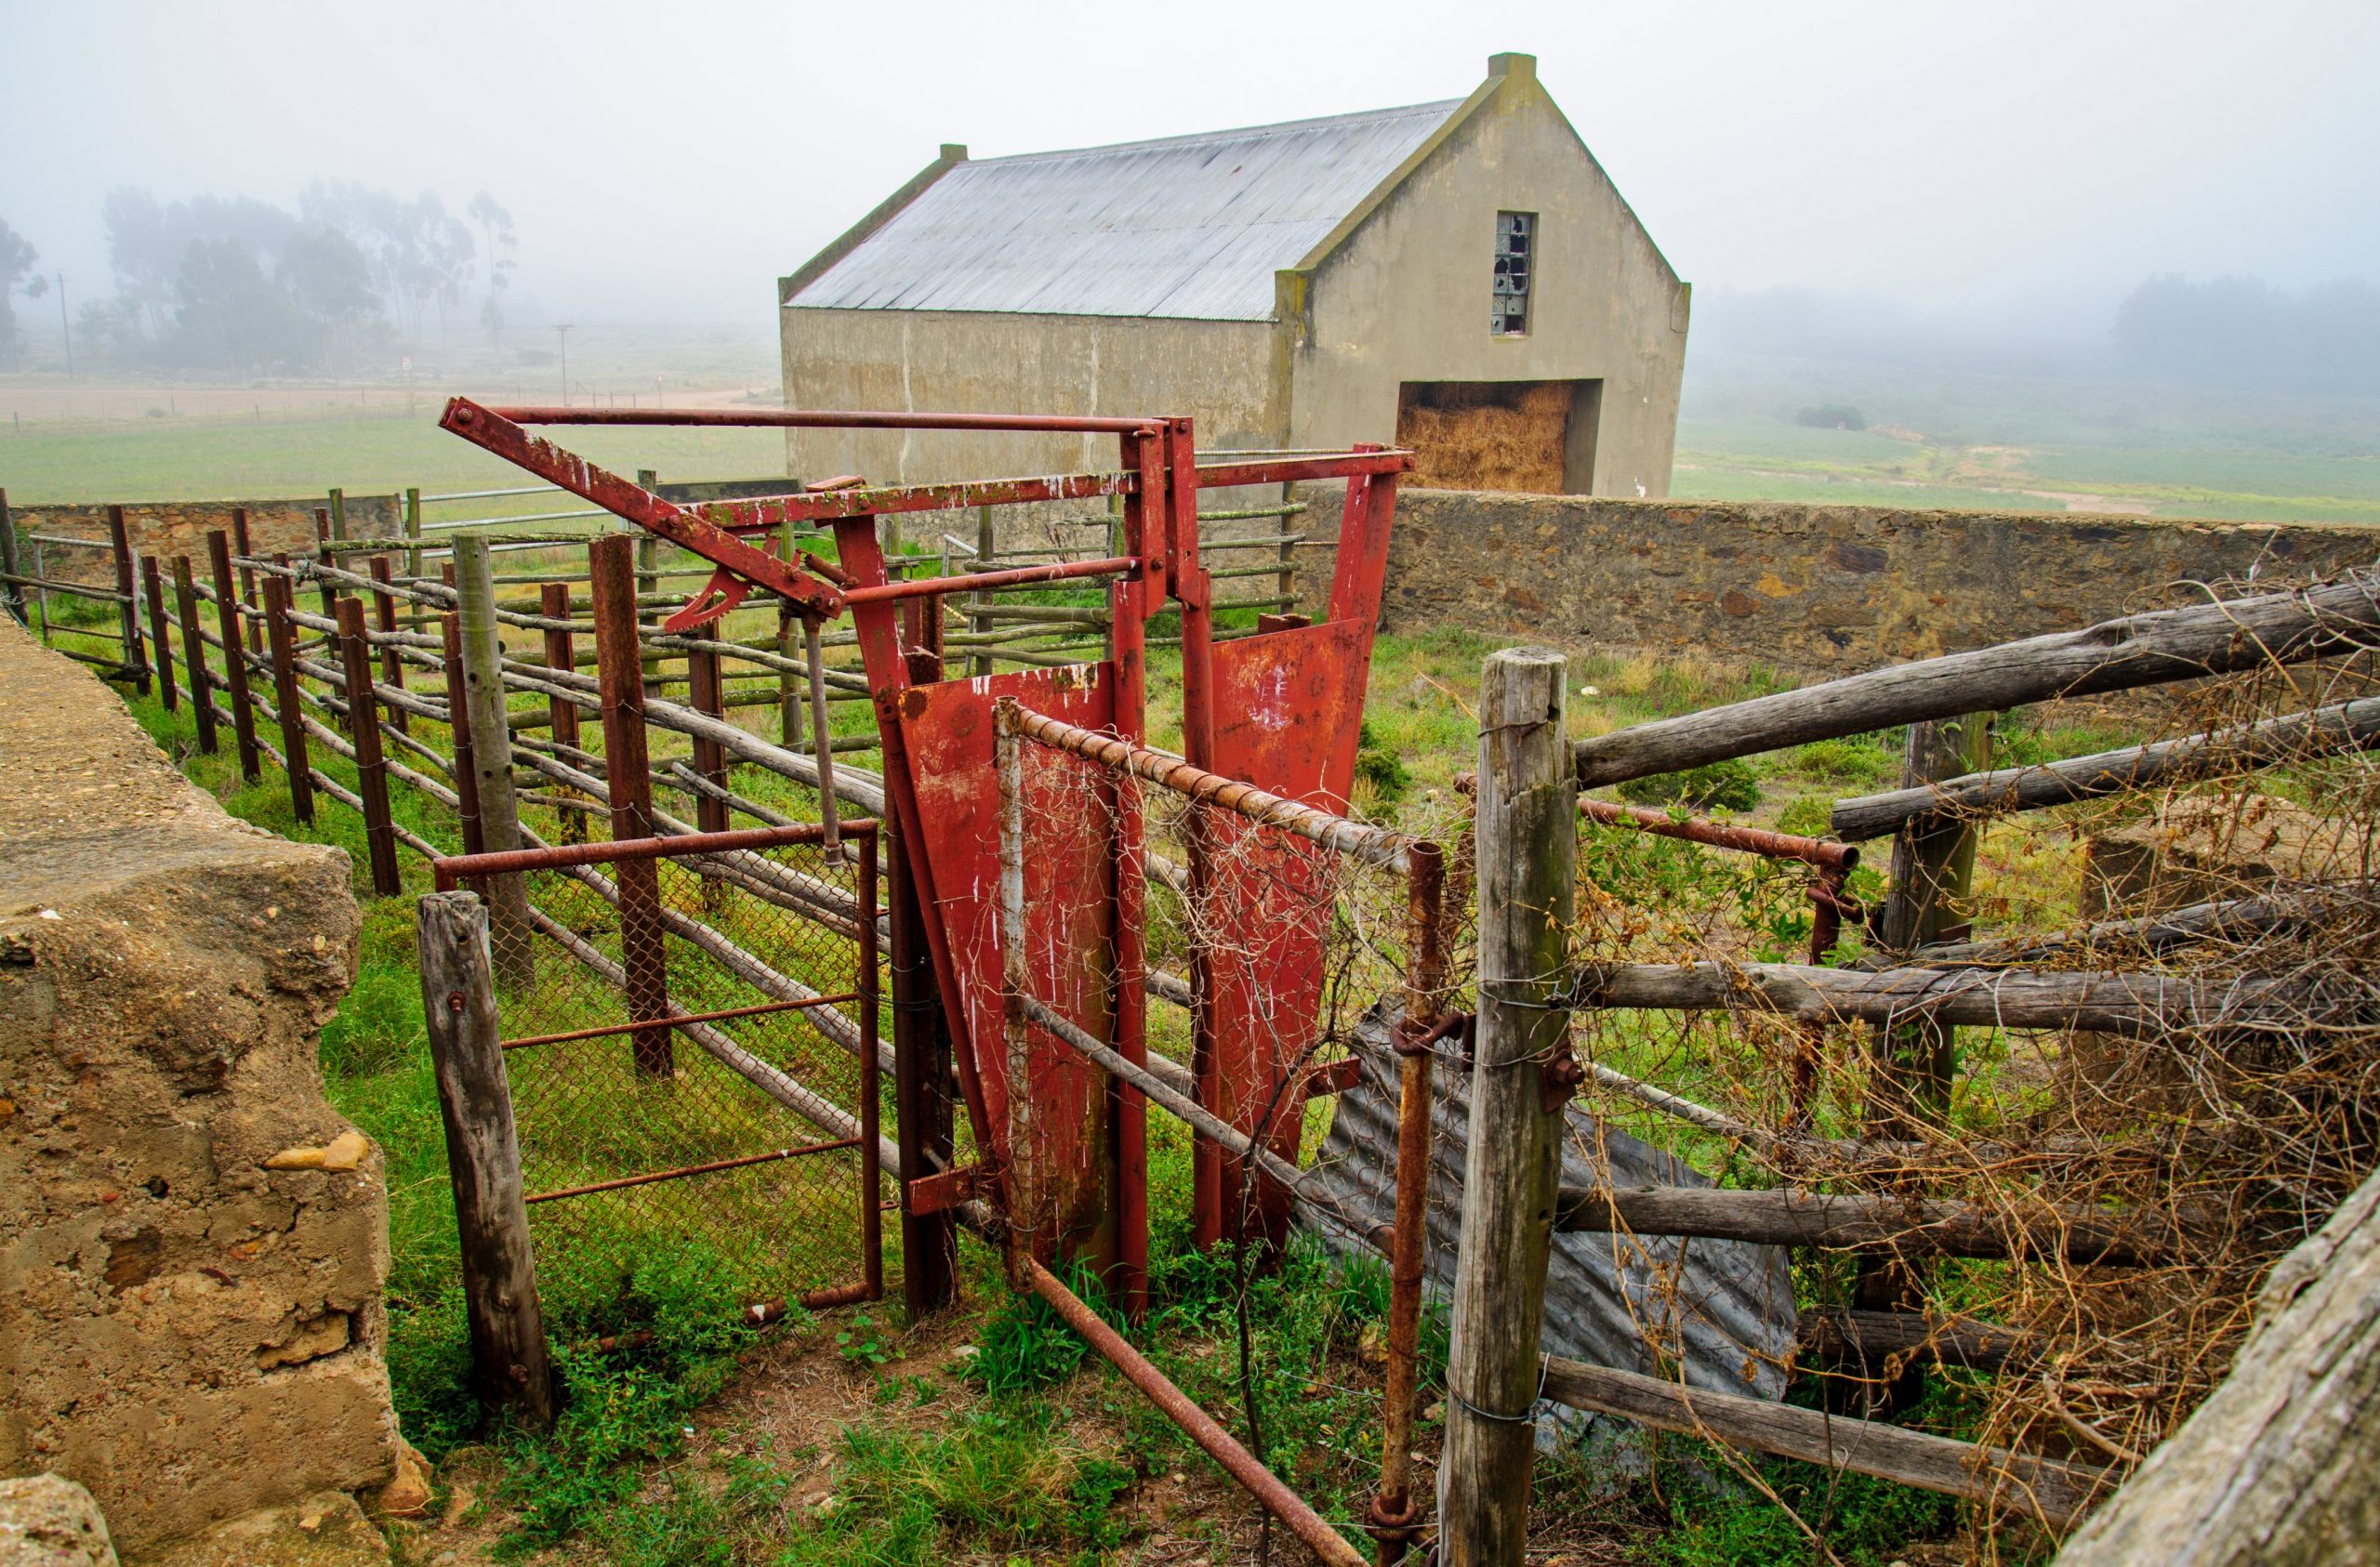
x=1280 y=709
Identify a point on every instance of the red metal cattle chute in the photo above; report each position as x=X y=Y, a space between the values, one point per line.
x=1281 y=710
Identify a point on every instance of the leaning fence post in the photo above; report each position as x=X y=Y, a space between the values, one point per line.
x=235 y=659
x=281 y=634
x=1522 y=1077
x=371 y=770
x=202 y=689
x=628 y=770
x=153 y=591
x=127 y=622
x=499 y=811
x=1933 y=868
x=509 y=1358
x=12 y=595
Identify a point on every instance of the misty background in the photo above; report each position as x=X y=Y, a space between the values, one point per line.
x=2177 y=195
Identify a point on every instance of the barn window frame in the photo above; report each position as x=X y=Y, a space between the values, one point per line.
x=1514 y=273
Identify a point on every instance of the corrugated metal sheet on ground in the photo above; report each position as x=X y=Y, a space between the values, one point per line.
x=1191 y=227
x=1722 y=1311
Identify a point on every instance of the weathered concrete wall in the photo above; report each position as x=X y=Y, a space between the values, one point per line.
x=187 y=1332
x=1220 y=373
x=1815 y=590
x=1405 y=297
x=169 y=528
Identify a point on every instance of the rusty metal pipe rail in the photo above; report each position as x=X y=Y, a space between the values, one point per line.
x=1825 y=855
x=1373 y=846
x=449 y=869
x=828 y=418
x=927 y=588
x=1195 y=1423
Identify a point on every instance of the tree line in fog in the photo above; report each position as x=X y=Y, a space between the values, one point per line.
x=236 y=285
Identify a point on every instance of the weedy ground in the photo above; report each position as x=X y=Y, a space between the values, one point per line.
x=990 y=1432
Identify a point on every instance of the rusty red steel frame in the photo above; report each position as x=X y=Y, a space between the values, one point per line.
x=1279 y=710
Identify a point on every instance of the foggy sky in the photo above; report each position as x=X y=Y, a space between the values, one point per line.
x=668 y=162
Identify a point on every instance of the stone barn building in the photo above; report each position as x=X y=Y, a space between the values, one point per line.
x=1459 y=277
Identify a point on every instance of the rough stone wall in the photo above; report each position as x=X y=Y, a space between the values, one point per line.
x=189 y=1330
x=169 y=528
x=1814 y=590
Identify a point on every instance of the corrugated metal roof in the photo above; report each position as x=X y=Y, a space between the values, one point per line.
x=1193 y=226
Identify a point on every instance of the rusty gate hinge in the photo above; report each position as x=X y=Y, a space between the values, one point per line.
x=939 y=1193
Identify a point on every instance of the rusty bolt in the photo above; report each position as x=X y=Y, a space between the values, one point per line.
x=455 y=1001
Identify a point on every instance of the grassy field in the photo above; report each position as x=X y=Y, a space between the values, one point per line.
x=2009 y=444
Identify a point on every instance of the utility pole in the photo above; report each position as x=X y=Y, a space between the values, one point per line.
x=65 y=327
x=562 y=332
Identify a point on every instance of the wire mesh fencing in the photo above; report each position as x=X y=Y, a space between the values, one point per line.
x=690 y=1040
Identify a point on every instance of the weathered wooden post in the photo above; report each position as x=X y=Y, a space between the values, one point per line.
x=128 y=595
x=822 y=736
x=921 y=1072
x=1933 y=872
x=413 y=530
x=562 y=716
x=1520 y=1079
x=499 y=811
x=202 y=689
x=235 y=658
x=384 y=614
x=152 y=590
x=704 y=695
x=628 y=770
x=249 y=598
x=1912 y=1064
x=648 y=583
x=371 y=768
x=788 y=682
x=11 y=592
x=284 y=638
x=339 y=514
x=458 y=724
x=509 y=1361
x=322 y=557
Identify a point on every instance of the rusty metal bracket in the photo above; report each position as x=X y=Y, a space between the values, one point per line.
x=1558 y=1077
x=950 y=1189
x=1411 y=1038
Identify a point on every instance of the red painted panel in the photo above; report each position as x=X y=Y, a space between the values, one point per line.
x=1289 y=708
x=1070 y=897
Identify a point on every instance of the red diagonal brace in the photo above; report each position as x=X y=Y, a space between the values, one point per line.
x=486 y=429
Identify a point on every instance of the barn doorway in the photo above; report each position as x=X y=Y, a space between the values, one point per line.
x=1534 y=436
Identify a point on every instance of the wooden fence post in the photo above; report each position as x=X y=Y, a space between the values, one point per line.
x=789 y=683
x=127 y=620
x=1932 y=872
x=339 y=515
x=704 y=695
x=921 y=1100
x=1522 y=1077
x=499 y=811
x=12 y=596
x=508 y=1359
x=561 y=716
x=322 y=557
x=413 y=530
x=458 y=716
x=249 y=598
x=202 y=689
x=1912 y=1065
x=629 y=772
x=152 y=590
x=281 y=634
x=235 y=659
x=371 y=769
x=392 y=665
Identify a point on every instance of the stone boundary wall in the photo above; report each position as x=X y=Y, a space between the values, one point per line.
x=1812 y=590
x=192 y=1243
x=169 y=528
